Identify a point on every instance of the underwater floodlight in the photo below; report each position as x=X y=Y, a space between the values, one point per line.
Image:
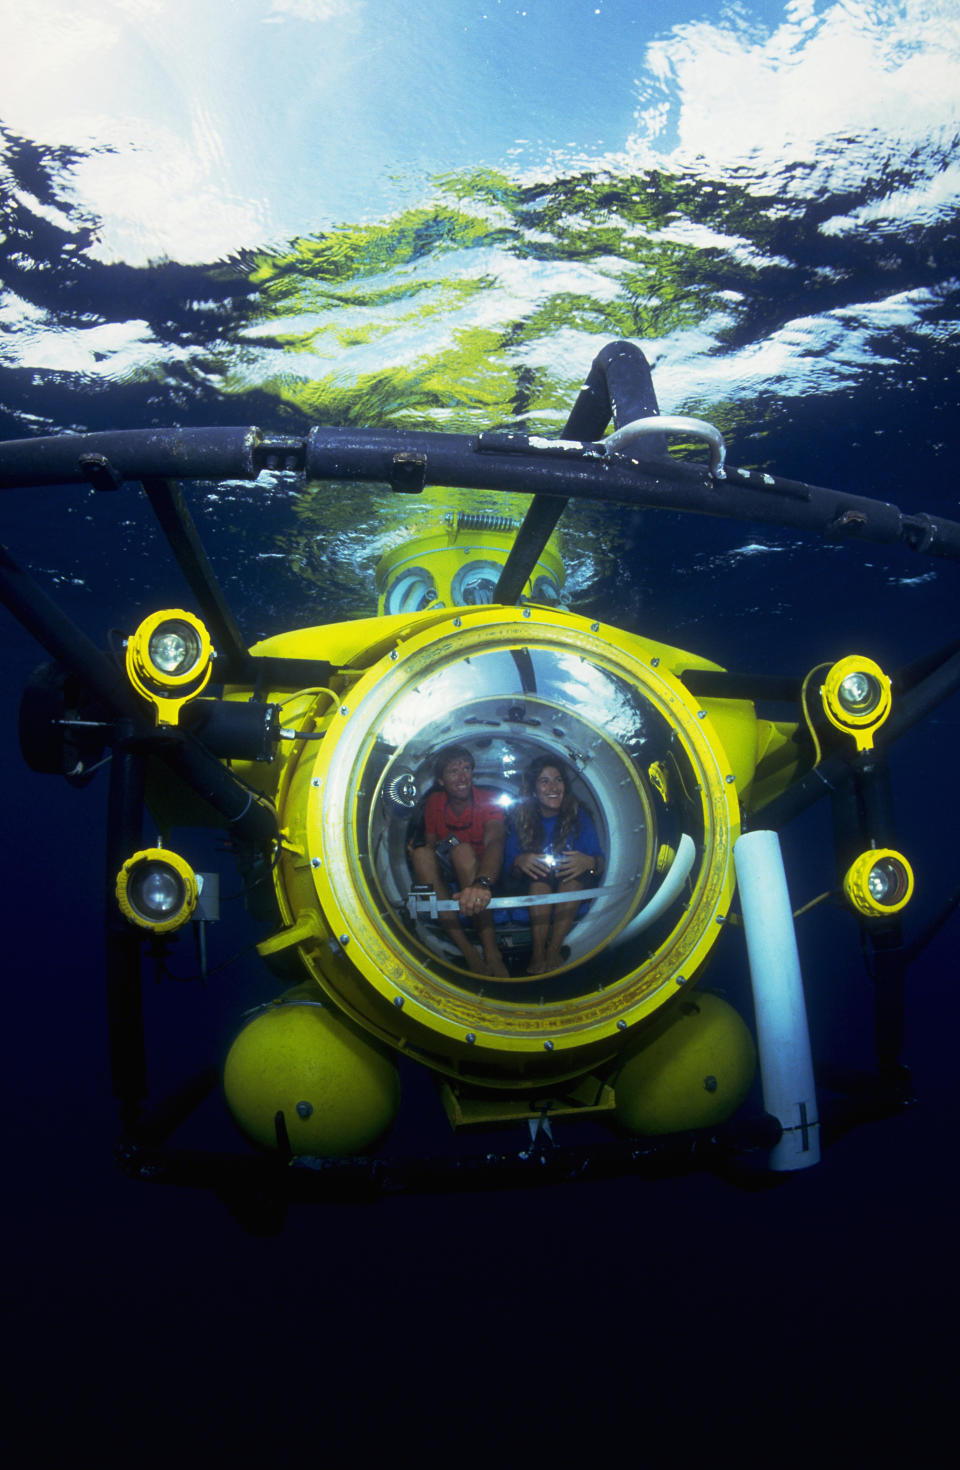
x=859 y=693
x=170 y=660
x=879 y=883
x=856 y=698
x=174 y=649
x=157 y=890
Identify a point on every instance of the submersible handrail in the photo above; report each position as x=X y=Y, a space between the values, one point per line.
x=496 y=461
x=649 y=428
x=429 y=903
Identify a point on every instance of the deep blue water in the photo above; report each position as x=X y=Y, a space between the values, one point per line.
x=805 y=301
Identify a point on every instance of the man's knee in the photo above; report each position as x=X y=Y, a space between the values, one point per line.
x=424 y=864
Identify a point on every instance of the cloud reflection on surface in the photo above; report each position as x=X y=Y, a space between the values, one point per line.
x=206 y=138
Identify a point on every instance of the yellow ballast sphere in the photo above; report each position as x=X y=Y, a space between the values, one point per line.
x=695 y=1074
x=879 y=882
x=338 y=1092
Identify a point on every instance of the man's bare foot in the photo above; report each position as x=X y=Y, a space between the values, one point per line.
x=495 y=966
x=474 y=961
x=537 y=966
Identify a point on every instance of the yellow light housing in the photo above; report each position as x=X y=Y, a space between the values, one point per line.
x=157 y=890
x=879 y=882
x=170 y=660
x=856 y=698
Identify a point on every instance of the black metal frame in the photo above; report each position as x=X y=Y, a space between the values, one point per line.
x=510 y=462
x=574 y=466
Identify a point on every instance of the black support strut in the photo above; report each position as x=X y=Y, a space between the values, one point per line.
x=863 y=818
x=618 y=387
x=125 y=1038
x=176 y=523
x=64 y=641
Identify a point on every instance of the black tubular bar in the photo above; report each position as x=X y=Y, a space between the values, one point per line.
x=566 y=471
x=303 y=1180
x=847 y=837
x=888 y=965
x=863 y=817
x=538 y=525
x=176 y=523
x=618 y=387
x=125 y=1035
x=556 y=469
x=156 y=1126
x=171 y=454
x=922 y=698
x=736 y=1150
x=249 y=816
x=66 y=643
x=932 y=927
x=912 y=674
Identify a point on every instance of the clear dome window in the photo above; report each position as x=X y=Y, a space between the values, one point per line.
x=508 y=706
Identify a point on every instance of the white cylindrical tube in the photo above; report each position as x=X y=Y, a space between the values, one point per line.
x=783 y=1038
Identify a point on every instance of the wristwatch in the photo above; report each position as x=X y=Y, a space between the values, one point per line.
x=483 y=882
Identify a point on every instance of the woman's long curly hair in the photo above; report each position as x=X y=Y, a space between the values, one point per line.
x=527 y=819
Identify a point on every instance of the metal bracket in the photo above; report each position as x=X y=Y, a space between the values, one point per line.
x=280 y=454
x=541 y=1133
x=846 y=523
x=408 y=473
x=919 y=531
x=100 y=473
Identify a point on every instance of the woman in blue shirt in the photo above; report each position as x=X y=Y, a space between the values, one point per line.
x=553 y=844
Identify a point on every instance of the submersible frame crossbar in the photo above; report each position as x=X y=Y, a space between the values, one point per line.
x=561 y=470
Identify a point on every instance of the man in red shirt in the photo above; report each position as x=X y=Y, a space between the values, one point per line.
x=463 y=827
